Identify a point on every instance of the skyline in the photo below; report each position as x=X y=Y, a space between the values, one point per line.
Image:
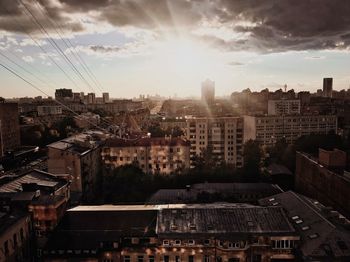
x=170 y=47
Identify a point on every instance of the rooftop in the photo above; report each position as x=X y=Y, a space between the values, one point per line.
x=147 y=141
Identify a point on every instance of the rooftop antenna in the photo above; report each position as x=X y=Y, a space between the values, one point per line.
x=285 y=87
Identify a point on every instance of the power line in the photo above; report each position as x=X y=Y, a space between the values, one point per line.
x=55 y=45
x=12 y=71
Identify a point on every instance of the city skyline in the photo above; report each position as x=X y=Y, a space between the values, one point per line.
x=170 y=47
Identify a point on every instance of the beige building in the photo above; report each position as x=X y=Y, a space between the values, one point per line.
x=153 y=155
x=78 y=156
x=269 y=129
x=223 y=134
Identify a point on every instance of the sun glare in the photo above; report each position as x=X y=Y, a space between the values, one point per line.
x=182 y=55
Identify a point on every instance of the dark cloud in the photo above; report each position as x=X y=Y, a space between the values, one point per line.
x=104 y=49
x=269 y=26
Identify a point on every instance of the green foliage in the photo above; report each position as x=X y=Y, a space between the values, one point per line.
x=252 y=157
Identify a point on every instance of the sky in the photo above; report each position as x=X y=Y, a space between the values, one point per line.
x=168 y=47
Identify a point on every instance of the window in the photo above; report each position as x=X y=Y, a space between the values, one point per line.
x=126 y=259
x=177 y=259
x=150 y=258
x=206 y=258
x=207 y=242
x=165 y=242
x=233 y=245
x=166 y=258
x=139 y=258
x=190 y=242
x=177 y=242
x=190 y=258
x=313 y=236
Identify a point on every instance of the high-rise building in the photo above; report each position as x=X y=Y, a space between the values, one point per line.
x=63 y=93
x=208 y=91
x=327 y=87
x=223 y=135
x=9 y=127
x=105 y=97
x=91 y=98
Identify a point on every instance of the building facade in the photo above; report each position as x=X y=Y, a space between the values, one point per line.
x=49 y=110
x=283 y=107
x=153 y=155
x=327 y=87
x=269 y=129
x=9 y=127
x=222 y=135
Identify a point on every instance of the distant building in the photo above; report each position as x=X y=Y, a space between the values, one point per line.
x=325 y=178
x=171 y=123
x=49 y=110
x=91 y=98
x=63 y=94
x=9 y=127
x=208 y=91
x=327 y=87
x=269 y=129
x=206 y=232
x=153 y=155
x=283 y=107
x=87 y=120
x=105 y=97
x=222 y=135
x=79 y=157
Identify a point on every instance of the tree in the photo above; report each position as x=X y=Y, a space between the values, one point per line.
x=252 y=157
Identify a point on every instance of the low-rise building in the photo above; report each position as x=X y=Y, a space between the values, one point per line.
x=269 y=129
x=153 y=155
x=206 y=232
x=87 y=120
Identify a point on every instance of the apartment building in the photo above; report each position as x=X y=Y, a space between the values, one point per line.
x=224 y=135
x=153 y=155
x=79 y=157
x=283 y=107
x=269 y=129
x=49 y=110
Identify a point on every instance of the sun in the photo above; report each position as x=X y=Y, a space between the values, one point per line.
x=184 y=55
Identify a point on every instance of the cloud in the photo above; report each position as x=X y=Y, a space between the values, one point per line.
x=314 y=57
x=229 y=25
x=235 y=63
x=28 y=59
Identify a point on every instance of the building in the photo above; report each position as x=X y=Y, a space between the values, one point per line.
x=283 y=107
x=215 y=192
x=44 y=196
x=63 y=94
x=269 y=129
x=324 y=178
x=327 y=87
x=171 y=123
x=208 y=92
x=222 y=135
x=49 y=110
x=79 y=157
x=324 y=233
x=15 y=237
x=153 y=155
x=105 y=97
x=91 y=98
x=9 y=127
x=205 y=232
x=87 y=120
